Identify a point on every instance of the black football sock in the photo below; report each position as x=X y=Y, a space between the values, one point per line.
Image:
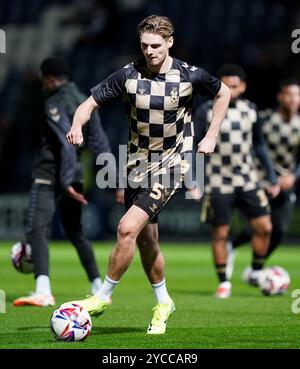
x=221 y=272
x=258 y=261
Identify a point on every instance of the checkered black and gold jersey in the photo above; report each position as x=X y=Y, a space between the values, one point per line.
x=283 y=141
x=159 y=109
x=232 y=166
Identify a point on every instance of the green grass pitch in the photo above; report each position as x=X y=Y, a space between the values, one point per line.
x=246 y=320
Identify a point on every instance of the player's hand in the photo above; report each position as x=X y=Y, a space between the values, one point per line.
x=76 y=195
x=195 y=193
x=120 y=197
x=273 y=190
x=286 y=182
x=207 y=145
x=75 y=136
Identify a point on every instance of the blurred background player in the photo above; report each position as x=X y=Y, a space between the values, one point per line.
x=231 y=178
x=58 y=180
x=158 y=92
x=281 y=130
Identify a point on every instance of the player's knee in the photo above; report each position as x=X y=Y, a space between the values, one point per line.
x=126 y=232
x=269 y=227
x=264 y=228
x=220 y=234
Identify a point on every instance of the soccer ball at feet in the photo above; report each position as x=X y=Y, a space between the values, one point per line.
x=274 y=280
x=70 y=322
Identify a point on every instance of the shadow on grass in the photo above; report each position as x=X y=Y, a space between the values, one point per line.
x=33 y=328
x=115 y=330
x=96 y=330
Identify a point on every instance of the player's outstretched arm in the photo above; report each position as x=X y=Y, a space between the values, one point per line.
x=221 y=102
x=81 y=117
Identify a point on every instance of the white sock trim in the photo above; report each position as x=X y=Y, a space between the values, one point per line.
x=111 y=281
x=106 y=289
x=161 y=292
x=157 y=285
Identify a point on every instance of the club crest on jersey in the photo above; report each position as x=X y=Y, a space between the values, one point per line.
x=54 y=114
x=174 y=95
x=53 y=111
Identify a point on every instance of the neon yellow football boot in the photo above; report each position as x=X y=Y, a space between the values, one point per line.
x=160 y=317
x=93 y=305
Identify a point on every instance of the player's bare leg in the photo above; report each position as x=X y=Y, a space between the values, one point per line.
x=219 y=239
x=122 y=254
x=262 y=228
x=154 y=264
x=150 y=253
x=121 y=257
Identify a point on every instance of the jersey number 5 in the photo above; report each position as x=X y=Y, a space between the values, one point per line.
x=156 y=192
x=263 y=200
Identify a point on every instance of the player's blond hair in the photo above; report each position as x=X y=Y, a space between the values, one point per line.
x=156 y=24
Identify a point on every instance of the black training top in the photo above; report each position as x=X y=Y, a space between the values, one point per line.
x=57 y=160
